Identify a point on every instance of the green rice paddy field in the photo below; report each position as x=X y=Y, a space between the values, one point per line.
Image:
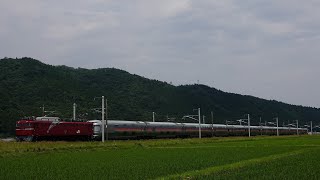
x=294 y=157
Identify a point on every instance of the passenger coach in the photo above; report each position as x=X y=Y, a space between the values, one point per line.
x=118 y=129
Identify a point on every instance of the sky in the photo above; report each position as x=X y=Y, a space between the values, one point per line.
x=264 y=48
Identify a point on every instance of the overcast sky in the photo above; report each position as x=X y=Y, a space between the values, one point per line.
x=265 y=48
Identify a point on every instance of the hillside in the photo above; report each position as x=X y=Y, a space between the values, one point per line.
x=26 y=84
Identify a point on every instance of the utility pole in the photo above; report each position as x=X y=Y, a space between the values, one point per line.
x=153 y=116
x=199 y=115
x=102 y=115
x=74 y=111
x=249 y=125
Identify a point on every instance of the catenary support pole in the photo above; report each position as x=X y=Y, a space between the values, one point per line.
x=297 y=127
x=106 y=119
x=212 y=123
x=249 y=125
x=212 y=118
x=199 y=115
x=277 y=126
x=102 y=117
x=42 y=110
x=74 y=111
x=260 y=127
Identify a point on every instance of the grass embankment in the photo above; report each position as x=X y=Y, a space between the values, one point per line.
x=219 y=158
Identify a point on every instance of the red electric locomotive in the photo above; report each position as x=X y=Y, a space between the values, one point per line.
x=51 y=128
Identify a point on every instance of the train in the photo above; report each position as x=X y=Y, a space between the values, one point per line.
x=52 y=128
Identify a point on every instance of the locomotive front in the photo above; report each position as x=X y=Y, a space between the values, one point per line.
x=25 y=130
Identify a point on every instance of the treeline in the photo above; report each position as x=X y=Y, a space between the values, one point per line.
x=27 y=84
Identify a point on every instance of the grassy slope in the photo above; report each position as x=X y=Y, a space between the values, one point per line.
x=226 y=158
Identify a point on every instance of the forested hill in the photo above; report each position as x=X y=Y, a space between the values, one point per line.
x=27 y=84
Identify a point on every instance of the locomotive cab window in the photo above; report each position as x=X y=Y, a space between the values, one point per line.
x=24 y=125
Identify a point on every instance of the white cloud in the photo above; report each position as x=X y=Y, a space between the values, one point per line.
x=263 y=48
x=160 y=9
